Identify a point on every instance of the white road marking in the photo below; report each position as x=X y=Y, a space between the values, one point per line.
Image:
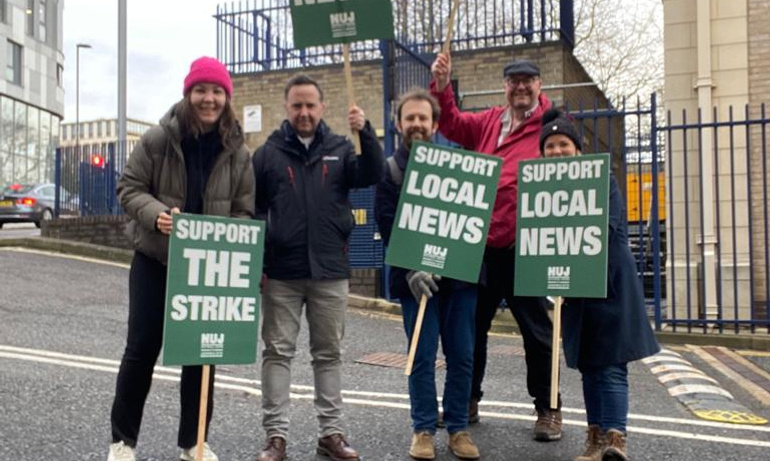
x=665 y=368
x=66 y=256
x=685 y=375
x=664 y=358
x=685 y=389
x=351 y=397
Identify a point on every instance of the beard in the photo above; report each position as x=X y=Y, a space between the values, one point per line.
x=415 y=134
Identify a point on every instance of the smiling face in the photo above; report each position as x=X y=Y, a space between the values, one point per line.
x=559 y=145
x=522 y=91
x=304 y=109
x=416 y=122
x=208 y=102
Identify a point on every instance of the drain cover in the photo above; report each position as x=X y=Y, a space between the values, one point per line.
x=390 y=359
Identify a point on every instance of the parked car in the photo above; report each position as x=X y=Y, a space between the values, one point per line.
x=28 y=203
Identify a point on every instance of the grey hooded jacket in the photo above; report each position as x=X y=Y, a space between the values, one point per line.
x=155 y=180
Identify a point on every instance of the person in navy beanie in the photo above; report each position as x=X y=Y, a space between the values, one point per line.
x=601 y=335
x=194 y=161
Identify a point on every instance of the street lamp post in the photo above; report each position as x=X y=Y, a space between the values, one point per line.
x=77 y=96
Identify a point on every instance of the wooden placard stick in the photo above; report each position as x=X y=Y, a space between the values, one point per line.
x=202 y=413
x=450 y=26
x=351 y=97
x=416 y=335
x=555 y=353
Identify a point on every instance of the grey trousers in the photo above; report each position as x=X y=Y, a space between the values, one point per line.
x=282 y=301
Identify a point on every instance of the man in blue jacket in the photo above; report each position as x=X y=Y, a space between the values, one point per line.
x=450 y=311
x=304 y=173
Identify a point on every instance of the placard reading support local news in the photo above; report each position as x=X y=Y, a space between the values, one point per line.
x=212 y=292
x=444 y=211
x=562 y=218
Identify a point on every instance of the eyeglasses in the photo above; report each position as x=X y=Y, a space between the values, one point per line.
x=515 y=81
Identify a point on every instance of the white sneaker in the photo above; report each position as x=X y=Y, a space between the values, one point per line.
x=121 y=452
x=189 y=454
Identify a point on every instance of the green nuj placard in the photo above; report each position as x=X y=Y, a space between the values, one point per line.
x=212 y=292
x=325 y=22
x=562 y=219
x=444 y=211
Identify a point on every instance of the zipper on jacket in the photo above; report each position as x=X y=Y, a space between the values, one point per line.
x=291 y=176
x=324 y=174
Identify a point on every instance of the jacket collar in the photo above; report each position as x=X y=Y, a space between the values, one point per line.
x=402 y=156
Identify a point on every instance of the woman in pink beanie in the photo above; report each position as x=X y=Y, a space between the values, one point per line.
x=194 y=161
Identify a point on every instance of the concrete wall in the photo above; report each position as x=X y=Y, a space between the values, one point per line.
x=99 y=230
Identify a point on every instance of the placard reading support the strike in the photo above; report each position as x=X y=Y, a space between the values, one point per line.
x=325 y=22
x=212 y=293
x=562 y=218
x=444 y=211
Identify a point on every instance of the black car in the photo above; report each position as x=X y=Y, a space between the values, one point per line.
x=28 y=203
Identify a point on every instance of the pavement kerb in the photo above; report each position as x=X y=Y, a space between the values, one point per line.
x=87 y=250
x=503 y=322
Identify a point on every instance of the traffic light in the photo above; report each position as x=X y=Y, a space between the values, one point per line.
x=97 y=160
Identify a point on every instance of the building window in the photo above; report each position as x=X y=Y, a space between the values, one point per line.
x=60 y=75
x=13 y=67
x=3 y=8
x=109 y=129
x=99 y=129
x=30 y=18
x=41 y=19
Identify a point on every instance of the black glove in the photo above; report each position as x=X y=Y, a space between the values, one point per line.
x=422 y=283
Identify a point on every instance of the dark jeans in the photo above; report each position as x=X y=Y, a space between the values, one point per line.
x=147 y=291
x=450 y=316
x=605 y=391
x=531 y=316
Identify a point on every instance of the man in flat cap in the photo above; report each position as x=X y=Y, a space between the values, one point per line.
x=511 y=132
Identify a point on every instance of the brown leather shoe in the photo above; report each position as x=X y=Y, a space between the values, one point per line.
x=615 y=449
x=548 y=425
x=336 y=447
x=274 y=450
x=594 y=444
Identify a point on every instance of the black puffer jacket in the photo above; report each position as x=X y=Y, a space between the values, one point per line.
x=302 y=194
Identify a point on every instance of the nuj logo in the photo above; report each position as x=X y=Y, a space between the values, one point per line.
x=213 y=339
x=434 y=251
x=558 y=271
x=342 y=19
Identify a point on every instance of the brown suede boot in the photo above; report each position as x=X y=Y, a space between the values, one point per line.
x=422 y=446
x=594 y=444
x=615 y=446
x=461 y=445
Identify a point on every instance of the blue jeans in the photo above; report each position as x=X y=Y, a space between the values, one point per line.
x=451 y=315
x=605 y=391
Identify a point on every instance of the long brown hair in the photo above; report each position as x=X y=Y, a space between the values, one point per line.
x=227 y=125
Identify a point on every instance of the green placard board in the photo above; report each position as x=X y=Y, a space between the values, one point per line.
x=325 y=22
x=444 y=211
x=562 y=218
x=212 y=292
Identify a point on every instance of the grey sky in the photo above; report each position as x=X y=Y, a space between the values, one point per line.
x=164 y=37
